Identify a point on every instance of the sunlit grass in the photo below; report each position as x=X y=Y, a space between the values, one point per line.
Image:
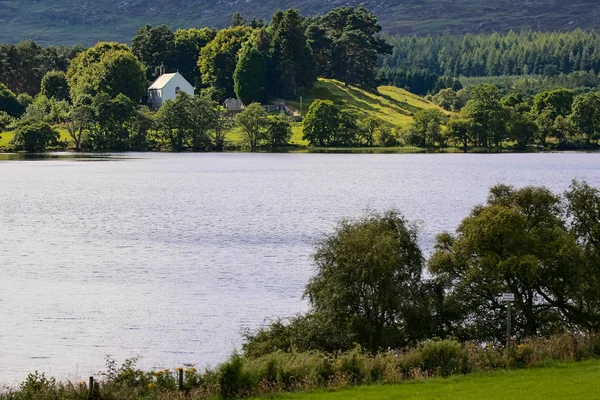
x=560 y=381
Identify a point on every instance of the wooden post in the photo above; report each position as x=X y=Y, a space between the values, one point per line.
x=508 y=335
x=91 y=388
x=180 y=378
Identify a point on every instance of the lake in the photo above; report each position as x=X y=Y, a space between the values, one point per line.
x=172 y=256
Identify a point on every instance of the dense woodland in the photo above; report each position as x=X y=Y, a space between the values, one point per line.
x=493 y=91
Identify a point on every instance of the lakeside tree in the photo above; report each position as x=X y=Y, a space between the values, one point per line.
x=586 y=115
x=187 y=122
x=459 y=131
x=34 y=136
x=321 y=123
x=250 y=75
x=488 y=115
x=253 y=122
x=428 y=127
x=279 y=130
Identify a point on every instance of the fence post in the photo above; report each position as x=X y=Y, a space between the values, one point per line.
x=91 y=389
x=180 y=378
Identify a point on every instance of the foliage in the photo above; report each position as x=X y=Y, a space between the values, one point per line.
x=33 y=136
x=9 y=102
x=109 y=68
x=253 y=122
x=54 y=84
x=187 y=122
x=218 y=59
x=279 y=130
x=428 y=127
x=291 y=57
x=154 y=46
x=522 y=53
x=250 y=75
x=586 y=115
x=347 y=44
x=368 y=281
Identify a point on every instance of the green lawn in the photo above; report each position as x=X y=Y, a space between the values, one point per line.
x=561 y=381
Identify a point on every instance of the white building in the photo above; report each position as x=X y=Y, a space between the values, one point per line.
x=166 y=87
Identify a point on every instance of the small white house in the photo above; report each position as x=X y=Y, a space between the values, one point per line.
x=166 y=87
x=233 y=105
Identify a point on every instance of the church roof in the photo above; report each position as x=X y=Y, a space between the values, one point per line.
x=163 y=80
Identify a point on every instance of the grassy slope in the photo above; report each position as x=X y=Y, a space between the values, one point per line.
x=562 y=381
x=87 y=21
x=390 y=104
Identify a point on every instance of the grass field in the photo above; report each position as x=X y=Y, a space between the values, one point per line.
x=556 y=382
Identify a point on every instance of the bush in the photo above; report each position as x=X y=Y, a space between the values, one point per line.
x=34 y=136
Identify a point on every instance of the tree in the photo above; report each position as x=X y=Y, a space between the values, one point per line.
x=250 y=75
x=54 y=84
x=586 y=115
x=459 y=130
x=5 y=120
x=9 y=102
x=113 y=122
x=79 y=121
x=253 y=122
x=79 y=74
x=154 y=46
x=218 y=59
x=279 y=130
x=558 y=101
x=518 y=243
x=368 y=281
x=428 y=125
x=237 y=19
x=292 y=57
x=321 y=123
x=34 y=136
x=109 y=68
x=370 y=127
x=188 y=122
x=522 y=129
x=447 y=99
x=355 y=45
x=488 y=114
x=187 y=46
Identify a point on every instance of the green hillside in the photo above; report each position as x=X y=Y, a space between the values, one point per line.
x=392 y=105
x=86 y=21
x=566 y=381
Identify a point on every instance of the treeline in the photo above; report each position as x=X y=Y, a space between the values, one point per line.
x=254 y=60
x=522 y=53
x=95 y=94
x=370 y=289
x=478 y=118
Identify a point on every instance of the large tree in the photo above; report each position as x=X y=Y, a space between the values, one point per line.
x=291 y=55
x=355 y=44
x=154 y=46
x=250 y=75
x=218 y=59
x=488 y=114
x=187 y=46
x=586 y=115
x=109 y=68
x=519 y=242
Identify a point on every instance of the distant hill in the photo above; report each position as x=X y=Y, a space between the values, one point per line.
x=87 y=21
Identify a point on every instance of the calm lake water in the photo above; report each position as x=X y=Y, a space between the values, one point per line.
x=172 y=256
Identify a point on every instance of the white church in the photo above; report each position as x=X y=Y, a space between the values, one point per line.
x=166 y=87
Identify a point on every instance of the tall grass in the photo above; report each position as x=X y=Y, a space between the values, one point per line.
x=287 y=372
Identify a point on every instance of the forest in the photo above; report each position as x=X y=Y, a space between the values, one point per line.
x=516 y=91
